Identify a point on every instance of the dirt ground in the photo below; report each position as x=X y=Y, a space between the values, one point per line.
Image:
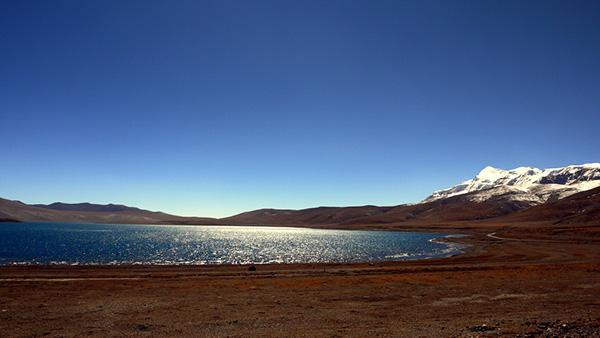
x=506 y=284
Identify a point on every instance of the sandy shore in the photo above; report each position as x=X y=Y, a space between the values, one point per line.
x=510 y=282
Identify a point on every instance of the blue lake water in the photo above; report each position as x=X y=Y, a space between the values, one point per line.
x=68 y=243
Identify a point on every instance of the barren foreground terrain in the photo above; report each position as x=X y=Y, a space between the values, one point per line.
x=508 y=283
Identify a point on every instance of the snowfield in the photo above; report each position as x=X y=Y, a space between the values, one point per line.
x=526 y=184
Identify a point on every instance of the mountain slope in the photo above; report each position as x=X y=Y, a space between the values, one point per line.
x=87 y=207
x=580 y=208
x=453 y=209
x=91 y=213
x=526 y=184
x=312 y=216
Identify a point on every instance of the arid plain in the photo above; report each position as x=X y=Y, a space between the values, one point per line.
x=509 y=282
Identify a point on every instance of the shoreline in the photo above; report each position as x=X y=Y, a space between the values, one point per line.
x=516 y=282
x=473 y=246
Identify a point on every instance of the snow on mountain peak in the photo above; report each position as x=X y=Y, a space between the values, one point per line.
x=490 y=173
x=526 y=183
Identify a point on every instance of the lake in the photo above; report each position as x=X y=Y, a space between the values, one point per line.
x=90 y=244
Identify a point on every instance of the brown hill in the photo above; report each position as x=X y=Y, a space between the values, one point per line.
x=6 y=218
x=312 y=216
x=86 y=207
x=452 y=209
x=581 y=208
x=458 y=208
x=91 y=213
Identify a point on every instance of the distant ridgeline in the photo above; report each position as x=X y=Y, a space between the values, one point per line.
x=568 y=194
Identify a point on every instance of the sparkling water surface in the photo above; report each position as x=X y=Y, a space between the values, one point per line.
x=69 y=243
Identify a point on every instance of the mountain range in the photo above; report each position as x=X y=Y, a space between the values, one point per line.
x=560 y=195
x=527 y=184
x=90 y=213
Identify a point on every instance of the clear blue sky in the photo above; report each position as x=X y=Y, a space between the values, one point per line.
x=216 y=107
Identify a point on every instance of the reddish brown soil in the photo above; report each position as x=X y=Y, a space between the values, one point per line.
x=510 y=283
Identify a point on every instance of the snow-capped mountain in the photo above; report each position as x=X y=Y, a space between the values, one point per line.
x=525 y=184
